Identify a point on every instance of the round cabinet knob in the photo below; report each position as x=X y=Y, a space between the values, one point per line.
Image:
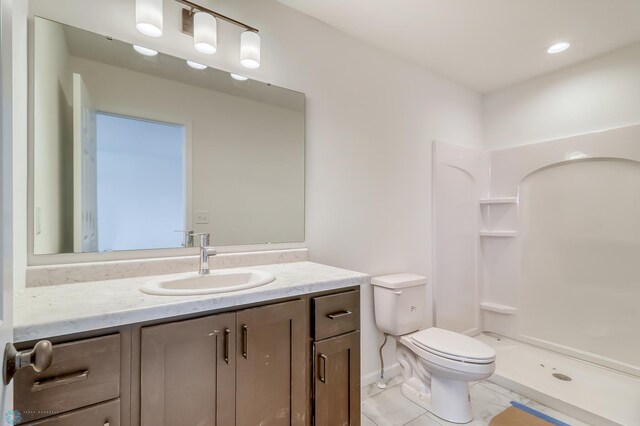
x=41 y=355
x=39 y=358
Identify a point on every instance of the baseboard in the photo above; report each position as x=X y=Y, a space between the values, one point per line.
x=373 y=377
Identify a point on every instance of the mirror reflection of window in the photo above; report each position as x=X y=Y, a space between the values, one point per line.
x=138 y=157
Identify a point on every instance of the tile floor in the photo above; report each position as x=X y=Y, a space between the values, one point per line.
x=390 y=408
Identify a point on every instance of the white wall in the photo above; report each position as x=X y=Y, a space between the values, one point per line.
x=598 y=94
x=370 y=121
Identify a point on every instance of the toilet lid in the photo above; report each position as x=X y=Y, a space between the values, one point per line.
x=452 y=345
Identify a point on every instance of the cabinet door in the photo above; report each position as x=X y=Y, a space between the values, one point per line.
x=337 y=381
x=271 y=367
x=188 y=372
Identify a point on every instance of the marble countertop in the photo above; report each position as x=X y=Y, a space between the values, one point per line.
x=58 y=310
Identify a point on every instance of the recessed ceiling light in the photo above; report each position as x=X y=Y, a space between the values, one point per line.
x=196 y=65
x=558 y=47
x=145 y=51
x=239 y=77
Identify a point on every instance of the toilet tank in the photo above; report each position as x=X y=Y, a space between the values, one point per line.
x=399 y=302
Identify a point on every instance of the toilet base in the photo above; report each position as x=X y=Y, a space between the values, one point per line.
x=451 y=402
x=442 y=390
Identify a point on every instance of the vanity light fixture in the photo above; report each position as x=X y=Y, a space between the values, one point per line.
x=238 y=77
x=205 y=33
x=144 y=50
x=558 y=47
x=149 y=17
x=196 y=65
x=201 y=23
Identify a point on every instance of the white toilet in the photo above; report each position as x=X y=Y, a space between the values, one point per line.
x=437 y=365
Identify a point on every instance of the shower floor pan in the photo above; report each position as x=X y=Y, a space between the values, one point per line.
x=588 y=392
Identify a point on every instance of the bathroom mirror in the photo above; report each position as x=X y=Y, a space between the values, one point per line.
x=134 y=149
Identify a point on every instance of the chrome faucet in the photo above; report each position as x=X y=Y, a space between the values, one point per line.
x=187 y=241
x=205 y=252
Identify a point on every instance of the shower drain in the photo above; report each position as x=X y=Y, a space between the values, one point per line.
x=562 y=377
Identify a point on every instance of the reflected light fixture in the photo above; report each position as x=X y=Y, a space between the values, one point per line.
x=196 y=65
x=238 y=77
x=250 y=49
x=144 y=50
x=149 y=17
x=205 y=33
x=558 y=47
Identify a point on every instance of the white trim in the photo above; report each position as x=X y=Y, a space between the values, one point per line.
x=6 y=184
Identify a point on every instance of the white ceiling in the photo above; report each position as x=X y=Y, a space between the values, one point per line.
x=484 y=44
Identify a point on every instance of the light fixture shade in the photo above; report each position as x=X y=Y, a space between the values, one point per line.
x=250 y=49
x=239 y=77
x=149 y=17
x=205 y=33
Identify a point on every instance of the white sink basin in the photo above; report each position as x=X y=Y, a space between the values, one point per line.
x=216 y=282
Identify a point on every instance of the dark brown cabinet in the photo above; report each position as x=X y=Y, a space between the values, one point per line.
x=271 y=361
x=243 y=368
x=337 y=381
x=188 y=372
x=83 y=372
x=336 y=359
x=295 y=362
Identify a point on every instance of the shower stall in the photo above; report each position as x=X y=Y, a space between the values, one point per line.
x=537 y=252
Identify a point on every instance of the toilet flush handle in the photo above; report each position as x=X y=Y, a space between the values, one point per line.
x=397 y=292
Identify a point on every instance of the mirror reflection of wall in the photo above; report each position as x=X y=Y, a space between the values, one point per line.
x=53 y=141
x=129 y=149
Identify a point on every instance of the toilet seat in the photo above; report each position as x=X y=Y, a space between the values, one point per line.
x=453 y=346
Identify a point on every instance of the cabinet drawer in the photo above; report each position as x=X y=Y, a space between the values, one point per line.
x=106 y=414
x=336 y=314
x=82 y=373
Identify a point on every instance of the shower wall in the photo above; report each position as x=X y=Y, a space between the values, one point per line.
x=579 y=278
x=558 y=258
x=460 y=178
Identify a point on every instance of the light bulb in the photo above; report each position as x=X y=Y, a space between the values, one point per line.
x=239 y=77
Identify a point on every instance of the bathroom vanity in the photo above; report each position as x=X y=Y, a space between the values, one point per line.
x=284 y=353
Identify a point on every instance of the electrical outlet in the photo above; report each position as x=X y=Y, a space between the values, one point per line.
x=202 y=217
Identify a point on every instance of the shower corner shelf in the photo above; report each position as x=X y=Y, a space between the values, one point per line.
x=498 y=308
x=499 y=200
x=499 y=234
